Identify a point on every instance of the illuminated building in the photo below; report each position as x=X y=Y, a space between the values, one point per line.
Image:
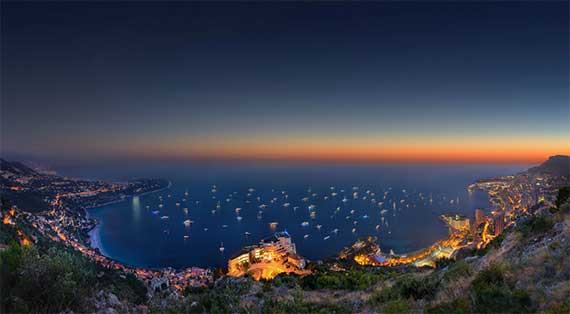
x=499 y=220
x=273 y=255
x=457 y=223
x=296 y=260
x=479 y=218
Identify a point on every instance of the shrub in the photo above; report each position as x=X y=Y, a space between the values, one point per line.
x=271 y=306
x=398 y=306
x=417 y=288
x=47 y=283
x=354 y=279
x=458 y=306
x=383 y=296
x=563 y=196
x=457 y=270
x=536 y=225
x=493 y=293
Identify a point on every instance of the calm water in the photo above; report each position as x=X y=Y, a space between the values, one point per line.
x=130 y=232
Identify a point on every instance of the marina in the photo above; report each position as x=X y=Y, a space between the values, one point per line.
x=190 y=233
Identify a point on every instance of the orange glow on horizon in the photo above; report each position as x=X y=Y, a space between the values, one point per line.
x=402 y=150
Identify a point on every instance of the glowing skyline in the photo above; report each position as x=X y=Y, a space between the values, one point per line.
x=368 y=82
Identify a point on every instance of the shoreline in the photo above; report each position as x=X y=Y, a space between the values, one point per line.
x=95 y=240
x=122 y=199
x=93 y=234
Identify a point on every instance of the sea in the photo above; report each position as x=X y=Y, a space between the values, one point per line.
x=324 y=208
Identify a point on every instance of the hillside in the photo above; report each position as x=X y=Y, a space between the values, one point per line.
x=16 y=168
x=558 y=165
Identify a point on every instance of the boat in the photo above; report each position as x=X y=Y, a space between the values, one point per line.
x=377 y=227
x=247 y=233
x=384 y=211
x=224 y=226
x=319 y=227
x=164 y=217
x=305 y=223
x=222 y=247
x=365 y=217
x=311 y=207
x=286 y=205
x=273 y=225
x=187 y=222
x=160 y=206
x=155 y=212
x=177 y=204
x=205 y=229
x=305 y=236
x=353 y=230
x=335 y=231
x=186 y=237
x=238 y=209
x=352 y=211
x=326 y=238
x=239 y=218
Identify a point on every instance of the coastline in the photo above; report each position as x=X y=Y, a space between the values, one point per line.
x=124 y=198
x=95 y=240
x=94 y=233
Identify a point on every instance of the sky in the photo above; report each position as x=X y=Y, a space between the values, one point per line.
x=364 y=82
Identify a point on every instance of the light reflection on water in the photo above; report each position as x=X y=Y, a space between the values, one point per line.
x=133 y=234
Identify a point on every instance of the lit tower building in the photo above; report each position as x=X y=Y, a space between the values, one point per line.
x=499 y=223
x=479 y=217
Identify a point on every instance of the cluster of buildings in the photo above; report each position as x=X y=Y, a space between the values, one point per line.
x=62 y=220
x=510 y=198
x=272 y=256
